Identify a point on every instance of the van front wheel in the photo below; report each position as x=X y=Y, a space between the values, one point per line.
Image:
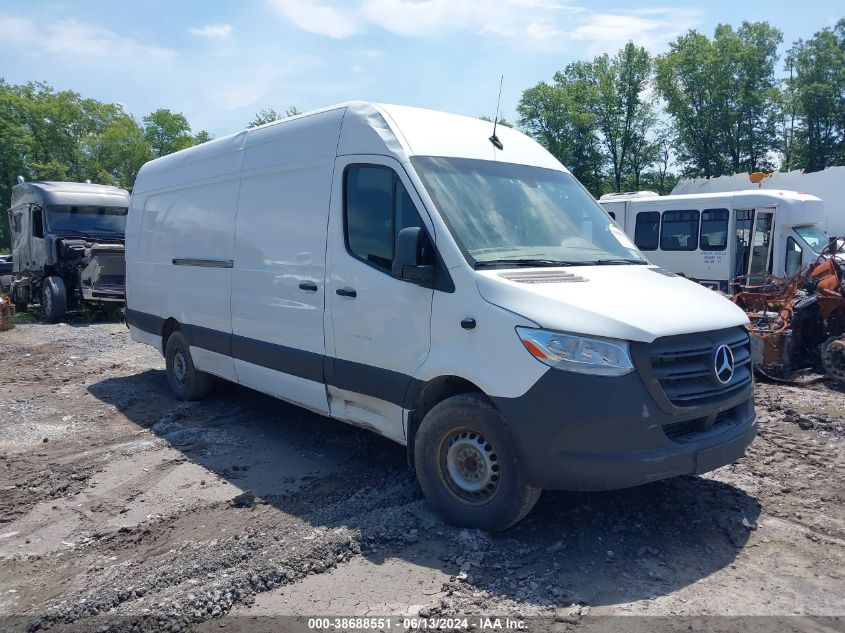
x=185 y=381
x=468 y=466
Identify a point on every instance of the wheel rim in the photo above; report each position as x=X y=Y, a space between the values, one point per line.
x=469 y=466
x=48 y=300
x=180 y=366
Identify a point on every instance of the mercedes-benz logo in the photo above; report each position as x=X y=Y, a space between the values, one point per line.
x=723 y=364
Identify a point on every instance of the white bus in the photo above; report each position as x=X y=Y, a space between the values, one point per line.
x=713 y=238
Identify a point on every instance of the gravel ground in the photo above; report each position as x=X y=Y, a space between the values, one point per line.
x=124 y=509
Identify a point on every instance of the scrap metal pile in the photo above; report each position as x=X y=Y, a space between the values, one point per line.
x=798 y=322
x=6 y=312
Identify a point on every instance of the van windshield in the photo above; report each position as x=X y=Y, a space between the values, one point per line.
x=503 y=213
x=86 y=219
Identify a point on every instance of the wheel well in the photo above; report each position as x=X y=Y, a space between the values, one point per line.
x=170 y=326
x=434 y=391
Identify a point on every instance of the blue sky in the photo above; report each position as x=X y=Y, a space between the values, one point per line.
x=220 y=62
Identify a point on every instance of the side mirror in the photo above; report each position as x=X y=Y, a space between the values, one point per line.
x=407 y=262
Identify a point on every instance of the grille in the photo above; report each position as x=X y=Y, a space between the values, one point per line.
x=683 y=365
x=542 y=277
x=680 y=431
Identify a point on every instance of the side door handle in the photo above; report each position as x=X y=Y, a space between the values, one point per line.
x=308 y=286
x=347 y=292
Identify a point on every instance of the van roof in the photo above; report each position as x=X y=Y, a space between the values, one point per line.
x=70 y=193
x=382 y=129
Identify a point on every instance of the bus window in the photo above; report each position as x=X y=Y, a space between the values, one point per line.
x=793 y=256
x=714 y=229
x=679 y=231
x=647 y=230
x=761 y=247
x=743 y=241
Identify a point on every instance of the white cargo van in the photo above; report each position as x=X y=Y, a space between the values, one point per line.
x=713 y=238
x=395 y=268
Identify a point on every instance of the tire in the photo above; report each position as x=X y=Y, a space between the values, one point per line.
x=833 y=359
x=468 y=465
x=54 y=299
x=186 y=382
x=20 y=304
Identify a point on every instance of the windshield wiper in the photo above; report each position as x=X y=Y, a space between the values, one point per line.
x=617 y=262
x=500 y=263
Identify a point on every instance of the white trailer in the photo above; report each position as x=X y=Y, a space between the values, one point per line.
x=713 y=238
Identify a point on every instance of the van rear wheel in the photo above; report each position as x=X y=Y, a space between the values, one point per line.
x=54 y=299
x=186 y=382
x=468 y=467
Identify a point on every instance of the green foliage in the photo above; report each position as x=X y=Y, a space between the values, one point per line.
x=722 y=96
x=814 y=130
x=48 y=135
x=167 y=132
x=269 y=115
x=720 y=109
x=553 y=115
x=594 y=116
x=502 y=121
x=612 y=89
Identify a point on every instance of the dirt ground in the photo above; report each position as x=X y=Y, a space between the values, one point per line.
x=123 y=508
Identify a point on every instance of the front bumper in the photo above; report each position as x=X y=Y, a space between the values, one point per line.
x=578 y=432
x=105 y=295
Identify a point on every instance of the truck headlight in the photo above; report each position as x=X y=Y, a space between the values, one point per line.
x=581 y=354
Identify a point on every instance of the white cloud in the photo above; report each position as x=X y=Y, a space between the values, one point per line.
x=529 y=24
x=77 y=43
x=212 y=31
x=17 y=31
x=651 y=28
x=318 y=18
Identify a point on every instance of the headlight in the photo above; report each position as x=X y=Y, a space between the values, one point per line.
x=577 y=353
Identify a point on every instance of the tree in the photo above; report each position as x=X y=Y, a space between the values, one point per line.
x=502 y=121
x=122 y=150
x=644 y=148
x=15 y=145
x=748 y=93
x=663 y=147
x=685 y=79
x=269 y=115
x=49 y=135
x=722 y=96
x=169 y=132
x=613 y=92
x=816 y=89
x=553 y=115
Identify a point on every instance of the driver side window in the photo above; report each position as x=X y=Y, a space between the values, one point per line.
x=376 y=206
x=37 y=222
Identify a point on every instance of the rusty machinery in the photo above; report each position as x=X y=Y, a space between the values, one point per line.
x=799 y=321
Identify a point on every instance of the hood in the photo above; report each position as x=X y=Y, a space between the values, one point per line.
x=632 y=303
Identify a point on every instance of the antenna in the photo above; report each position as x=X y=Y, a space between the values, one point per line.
x=495 y=139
